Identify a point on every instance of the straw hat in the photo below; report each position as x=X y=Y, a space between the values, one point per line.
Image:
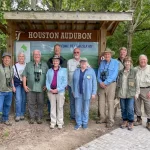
x=108 y=50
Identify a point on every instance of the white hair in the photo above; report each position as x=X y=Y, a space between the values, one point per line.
x=142 y=55
x=21 y=53
x=36 y=50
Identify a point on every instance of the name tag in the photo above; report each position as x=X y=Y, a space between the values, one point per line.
x=88 y=77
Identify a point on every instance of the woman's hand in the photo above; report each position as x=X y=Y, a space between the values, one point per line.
x=26 y=88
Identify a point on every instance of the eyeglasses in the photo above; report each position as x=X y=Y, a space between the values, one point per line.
x=76 y=52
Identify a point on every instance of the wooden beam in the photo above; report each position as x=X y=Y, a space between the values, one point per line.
x=114 y=27
x=86 y=25
x=44 y=24
x=109 y=25
x=78 y=16
x=72 y=26
x=101 y=24
x=29 y=24
x=58 y=25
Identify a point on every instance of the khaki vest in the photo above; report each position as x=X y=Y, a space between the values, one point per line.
x=131 y=82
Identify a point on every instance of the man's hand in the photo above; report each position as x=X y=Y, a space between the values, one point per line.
x=102 y=85
x=93 y=98
x=148 y=95
x=44 y=88
x=26 y=88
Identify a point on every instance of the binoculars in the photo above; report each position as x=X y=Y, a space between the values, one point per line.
x=104 y=75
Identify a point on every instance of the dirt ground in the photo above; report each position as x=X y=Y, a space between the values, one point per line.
x=23 y=136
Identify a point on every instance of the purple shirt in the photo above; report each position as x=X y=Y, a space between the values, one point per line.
x=54 y=81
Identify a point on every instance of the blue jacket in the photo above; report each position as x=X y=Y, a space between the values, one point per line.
x=61 y=79
x=89 y=83
x=112 y=71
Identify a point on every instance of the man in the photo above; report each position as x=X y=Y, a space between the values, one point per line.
x=122 y=55
x=107 y=74
x=35 y=75
x=57 y=51
x=6 y=84
x=71 y=66
x=143 y=76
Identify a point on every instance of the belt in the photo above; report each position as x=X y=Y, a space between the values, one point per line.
x=145 y=87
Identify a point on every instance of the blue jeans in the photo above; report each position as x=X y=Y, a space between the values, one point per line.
x=127 y=109
x=5 y=103
x=72 y=103
x=82 y=110
x=20 y=101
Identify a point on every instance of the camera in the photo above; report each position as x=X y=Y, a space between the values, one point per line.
x=37 y=76
x=104 y=75
x=8 y=82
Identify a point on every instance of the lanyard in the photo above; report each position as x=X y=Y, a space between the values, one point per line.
x=5 y=72
x=107 y=67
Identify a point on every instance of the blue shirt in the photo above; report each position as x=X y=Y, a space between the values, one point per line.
x=81 y=81
x=112 y=71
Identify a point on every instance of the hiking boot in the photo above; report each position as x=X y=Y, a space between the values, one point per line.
x=17 y=119
x=138 y=122
x=148 y=125
x=130 y=126
x=7 y=123
x=22 y=118
x=101 y=121
x=124 y=124
x=31 y=121
x=39 y=121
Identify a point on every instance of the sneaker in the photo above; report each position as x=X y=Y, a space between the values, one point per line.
x=39 y=121
x=109 y=125
x=148 y=125
x=84 y=126
x=101 y=121
x=130 y=126
x=77 y=127
x=138 y=122
x=52 y=126
x=17 y=119
x=60 y=127
x=31 y=121
x=7 y=123
x=22 y=118
x=124 y=124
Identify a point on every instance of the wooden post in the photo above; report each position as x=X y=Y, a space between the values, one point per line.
x=10 y=48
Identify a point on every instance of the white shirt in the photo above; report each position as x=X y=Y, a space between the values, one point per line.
x=20 y=68
x=72 y=65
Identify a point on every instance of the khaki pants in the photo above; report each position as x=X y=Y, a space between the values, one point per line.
x=138 y=102
x=106 y=98
x=57 y=103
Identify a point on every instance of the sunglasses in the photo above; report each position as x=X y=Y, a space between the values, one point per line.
x=76 y=52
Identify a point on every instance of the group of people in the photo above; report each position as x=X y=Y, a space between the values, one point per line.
x=115 y=78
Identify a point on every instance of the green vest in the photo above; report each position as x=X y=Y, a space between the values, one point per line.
x=131 y=83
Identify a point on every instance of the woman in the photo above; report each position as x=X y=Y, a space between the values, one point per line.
x=56 y=81
x=20 y=101
x=127 y=90
x=84 y=88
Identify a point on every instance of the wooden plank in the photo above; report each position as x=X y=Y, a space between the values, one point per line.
x=44 y=24
x=85 y=16
x=29 y=24
x=114 y=27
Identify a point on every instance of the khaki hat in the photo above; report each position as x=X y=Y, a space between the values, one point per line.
x=6 y=54
x=83 y=59
x=108 y=50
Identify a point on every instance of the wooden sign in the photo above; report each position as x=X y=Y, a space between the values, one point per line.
x=57 y=35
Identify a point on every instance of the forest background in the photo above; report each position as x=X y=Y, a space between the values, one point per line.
x=135 y=35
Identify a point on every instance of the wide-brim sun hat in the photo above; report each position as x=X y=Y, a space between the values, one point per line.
x=108 y=50
x=56 y=57
x=6 y=54
x=83 y=59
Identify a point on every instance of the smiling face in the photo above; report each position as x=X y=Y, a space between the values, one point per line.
x=83 y=64
x=127 y=65
x=123 y=54
x=21 y=58
x=56 y=62
x=143 y=61
x=57 y=50
x=76 y=53
x=107 y=56
x=36 y=56
x=6 y=60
